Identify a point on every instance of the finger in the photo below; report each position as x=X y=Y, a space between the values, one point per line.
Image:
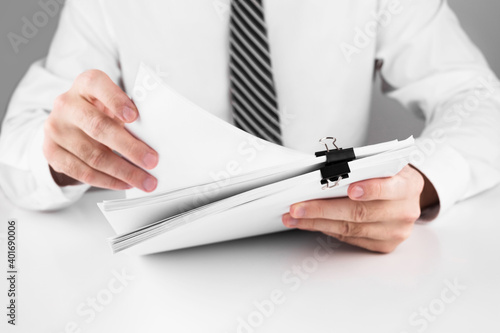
x=96 y=85
x=369 y=244
x=345 y=209
x=393 y=188
x=407 y=183
x=108 y=132
x=64 y=162
x=374 y=230
x=100 y=157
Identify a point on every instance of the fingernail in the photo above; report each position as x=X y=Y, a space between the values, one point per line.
x=357 y=192
x=292 y=222
x=149 y=184
x=150 y=160
x=299 y=211
x=129 y=114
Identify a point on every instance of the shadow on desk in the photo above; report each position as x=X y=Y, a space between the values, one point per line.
x=309 y=252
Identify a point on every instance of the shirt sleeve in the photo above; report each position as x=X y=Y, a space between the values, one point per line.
x=83 y=41
x=431 y=67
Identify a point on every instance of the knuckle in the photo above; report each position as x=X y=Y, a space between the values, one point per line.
x=87 y=176
x=360 y=212
x=49 y=127
x=345 y=228
x=352 y=230
x=372 y=188
x=131 y=175
x=98 y=125
x=134 y=149
x=97 y=157
x=89 y=77
x=48 y=151
x=315 y=209
x=60 y=102
x=113 y=183
x=401 y=234
x=84 y=149
x=128 y=173
x=70 y=168
x=117 y=100
x=340 y=237
x=411 y=215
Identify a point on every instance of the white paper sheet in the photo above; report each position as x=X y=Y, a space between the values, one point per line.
x=194 y=146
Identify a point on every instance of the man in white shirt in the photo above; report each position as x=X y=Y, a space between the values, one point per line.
x=67 y=115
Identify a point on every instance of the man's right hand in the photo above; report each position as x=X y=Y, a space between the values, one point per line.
x=85 y=126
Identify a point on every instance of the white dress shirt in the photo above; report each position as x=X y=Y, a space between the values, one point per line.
x=323 y=55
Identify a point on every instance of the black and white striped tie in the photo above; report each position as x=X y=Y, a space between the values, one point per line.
x=253 y=95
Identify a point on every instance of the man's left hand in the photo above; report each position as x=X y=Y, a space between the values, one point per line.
x=378 y=215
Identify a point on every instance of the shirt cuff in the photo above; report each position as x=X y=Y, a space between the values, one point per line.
x=448 y=172
x=56 y=197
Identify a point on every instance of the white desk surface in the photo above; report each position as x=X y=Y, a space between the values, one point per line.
x=65 y=262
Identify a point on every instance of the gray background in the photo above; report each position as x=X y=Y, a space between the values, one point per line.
x=389 y=119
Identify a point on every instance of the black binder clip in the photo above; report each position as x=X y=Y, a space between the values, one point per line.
x=332 y=174
x=336 y=167
x=338 y=154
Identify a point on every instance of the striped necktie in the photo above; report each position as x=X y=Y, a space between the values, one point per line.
x=253 y=95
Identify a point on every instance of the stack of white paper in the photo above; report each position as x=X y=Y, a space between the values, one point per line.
x=217 y=182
